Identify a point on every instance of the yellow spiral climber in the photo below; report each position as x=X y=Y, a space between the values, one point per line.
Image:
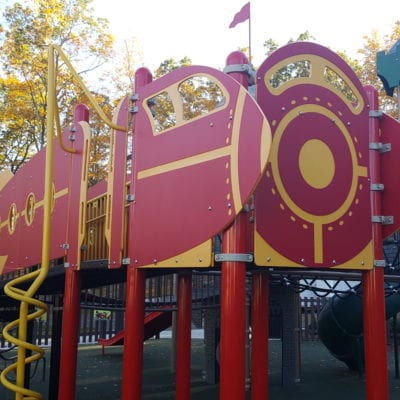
x=23 y=296
x=26 y=297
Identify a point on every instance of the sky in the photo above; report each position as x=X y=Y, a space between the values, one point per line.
x=200 y=29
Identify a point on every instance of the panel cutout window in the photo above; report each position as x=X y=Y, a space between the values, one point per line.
x=192 y=98
x=162 y=110
x=295 y=70
x=200 y=95
x=340 y=84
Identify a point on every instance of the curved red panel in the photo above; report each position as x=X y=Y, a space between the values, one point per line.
x=190 y=181
x=313 y=202
x=22 y=246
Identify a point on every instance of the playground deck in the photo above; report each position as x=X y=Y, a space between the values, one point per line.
x=99 y=376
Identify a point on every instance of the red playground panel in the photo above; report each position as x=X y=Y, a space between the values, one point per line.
x=192 y=179
x=313 y=202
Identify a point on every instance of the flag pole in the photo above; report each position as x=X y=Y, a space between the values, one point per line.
x=250 y=60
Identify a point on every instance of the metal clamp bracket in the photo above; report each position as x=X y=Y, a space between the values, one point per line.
x=381 y=147
x=130 y=197
x=134 y=109
x=382 y=219
x=380 y=263
x=135 y=97
x=244 y=68
x=377 y=187
x=375 y=114
x=239 y=257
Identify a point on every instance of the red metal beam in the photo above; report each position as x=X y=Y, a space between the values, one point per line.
x=183 y=336
x=259 y=336
x=233 y=315
x=373 y=282
x=70 y=331
x=134 y=333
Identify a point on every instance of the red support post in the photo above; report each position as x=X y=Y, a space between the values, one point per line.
x=183 y=336
x=259 y=336
x=373 y=281
x=134 y=334
x=233 y=314
x=132 y=363
x=70 y=331
x=233 y=287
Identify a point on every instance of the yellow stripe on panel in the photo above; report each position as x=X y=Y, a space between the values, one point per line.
x=199 y=256
x=5 y=176
x=3 y=260
x=237 y=121
x=185 y=162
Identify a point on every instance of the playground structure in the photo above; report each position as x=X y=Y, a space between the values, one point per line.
x=301 y=177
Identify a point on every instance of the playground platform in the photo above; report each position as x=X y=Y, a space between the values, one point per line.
x=99 y=376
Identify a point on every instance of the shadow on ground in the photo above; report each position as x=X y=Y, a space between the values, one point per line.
x=322 y=376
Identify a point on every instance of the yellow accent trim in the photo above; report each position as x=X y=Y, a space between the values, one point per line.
x=316 y=163
x=199 y=256
x=265 y=147
x=237 y=121
x=317 y=77
x=185 y=162
x=365 y=258
x=357 y=169
x=3 y=260
x=61 y=193
x=110 y=180
x=57 y=195
x=83 y=189
x=263 y=251
x=5 y=177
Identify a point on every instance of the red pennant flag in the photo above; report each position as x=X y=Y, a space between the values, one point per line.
x=241 y=16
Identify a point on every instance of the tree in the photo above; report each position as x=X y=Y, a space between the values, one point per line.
x=24 y=52
x=368 y=73
x=270 y=45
